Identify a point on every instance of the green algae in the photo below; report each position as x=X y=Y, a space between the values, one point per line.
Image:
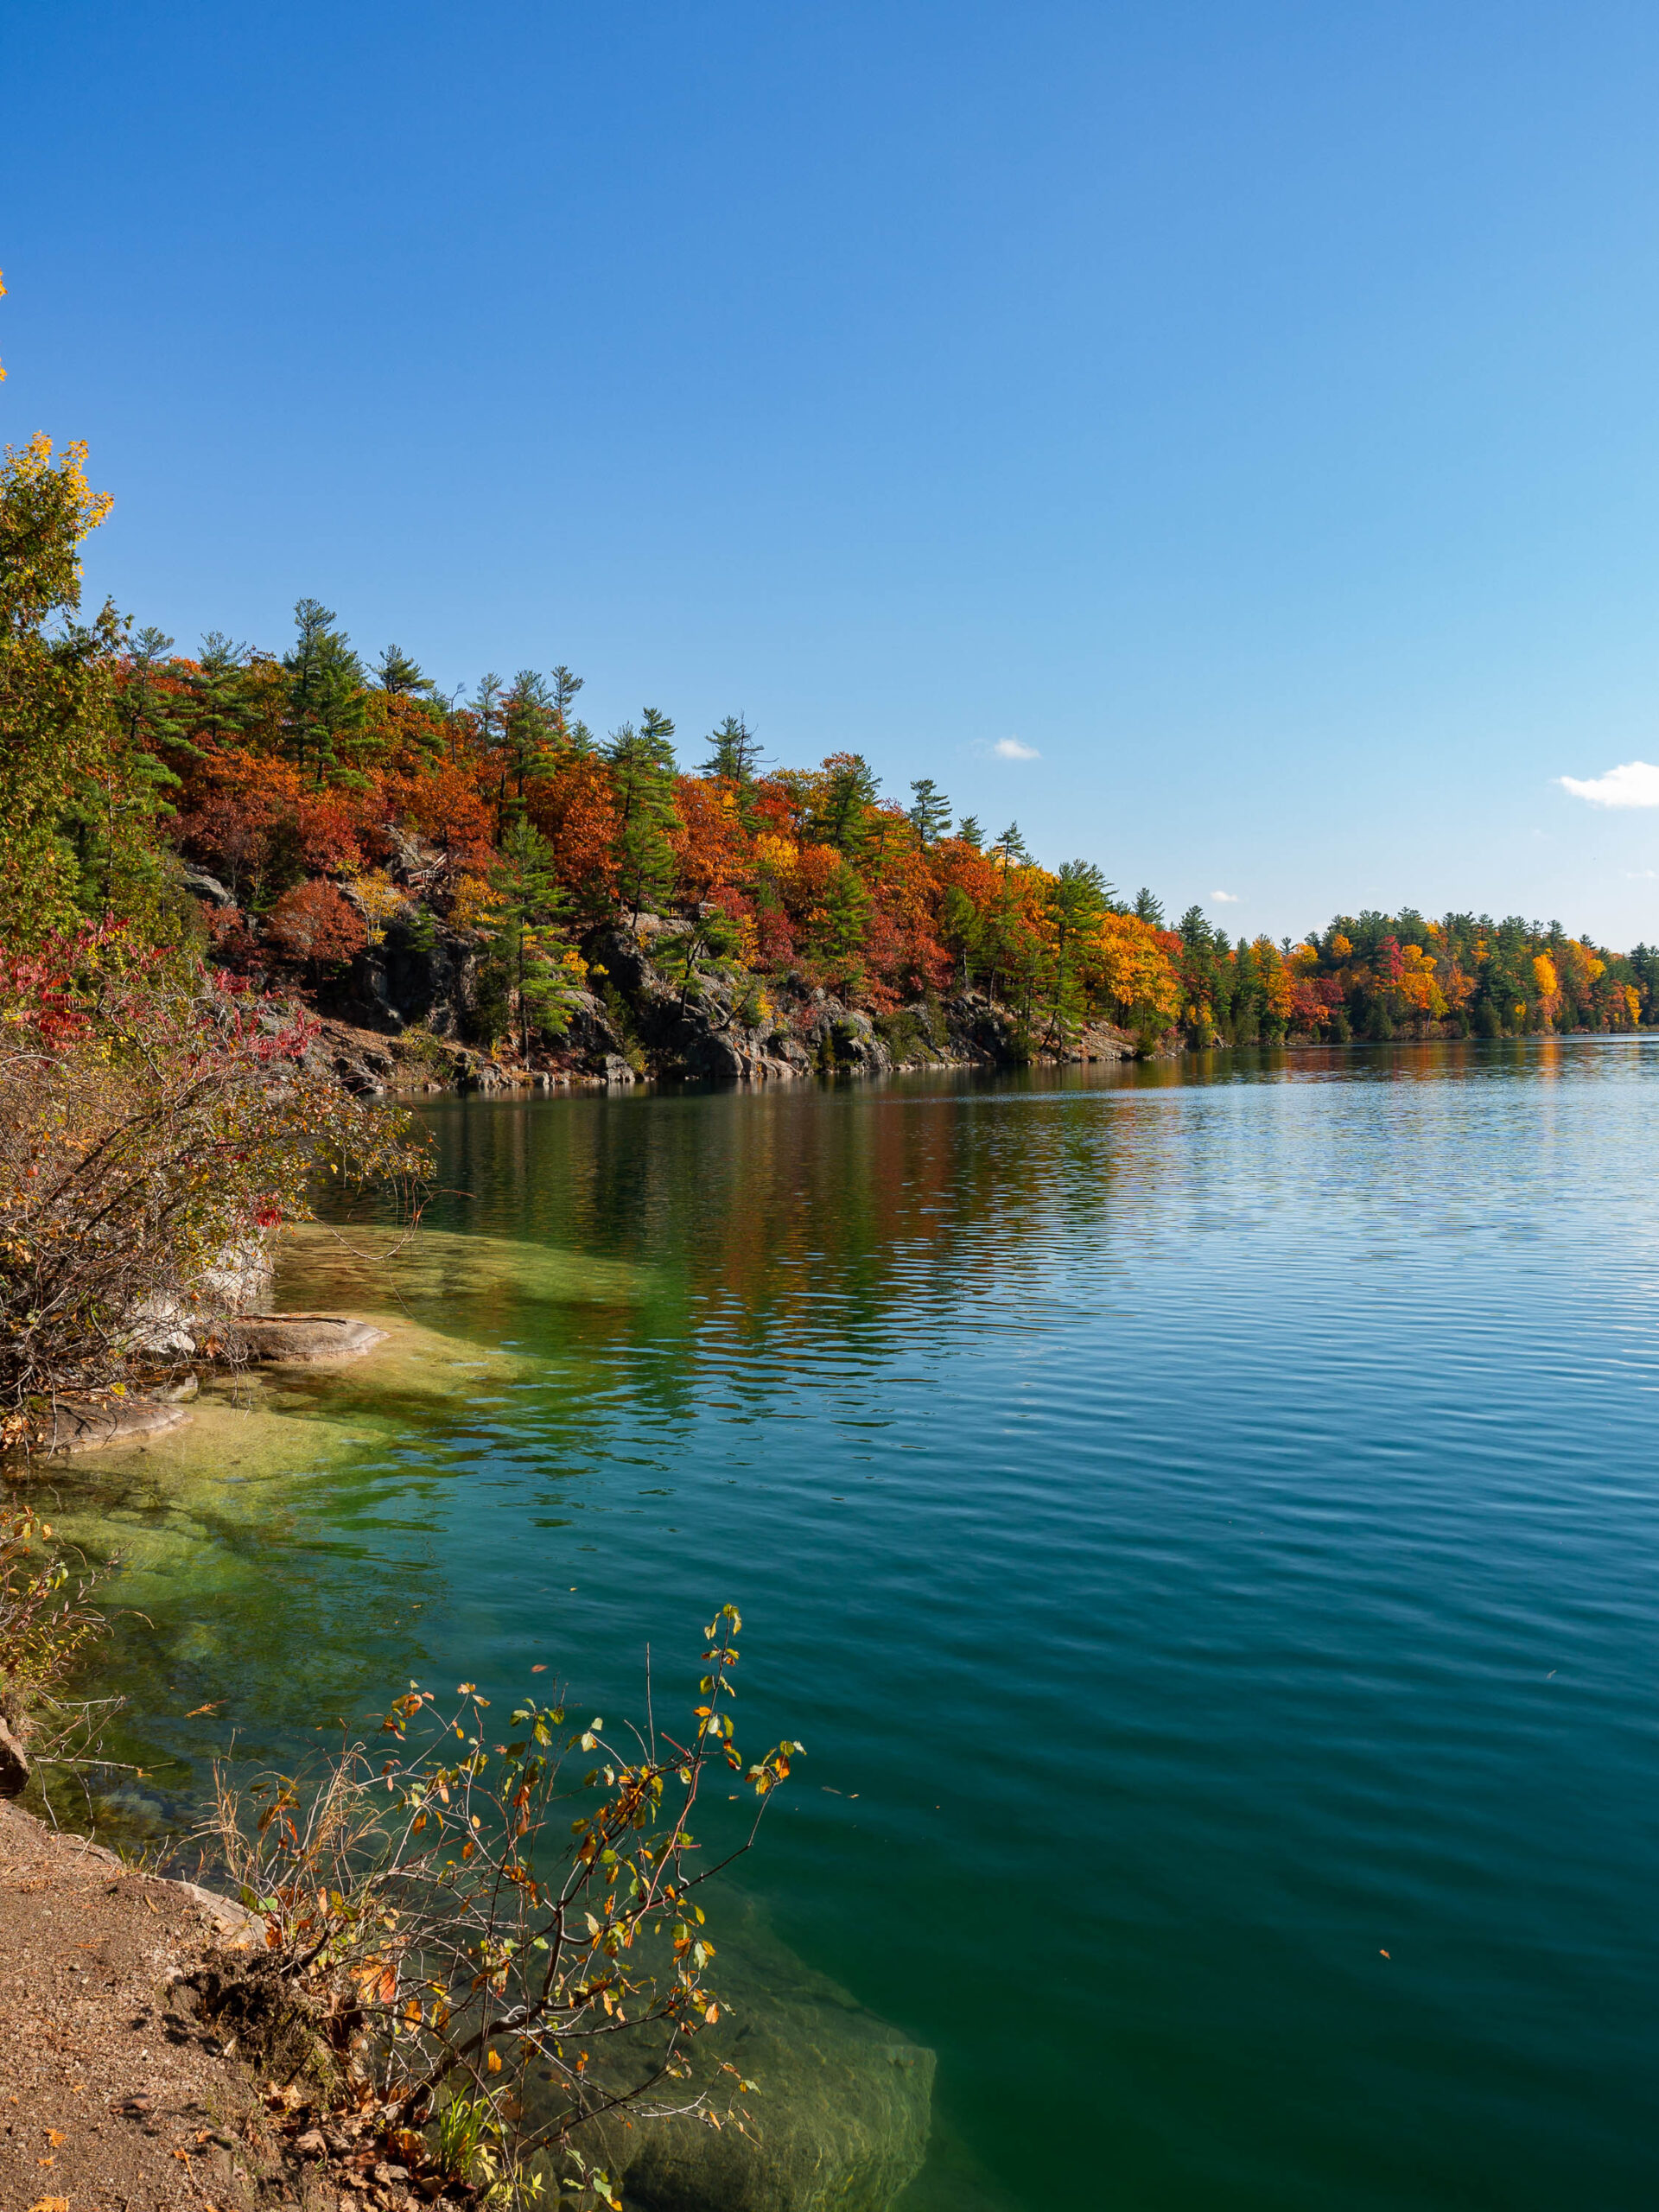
x=375 y=1269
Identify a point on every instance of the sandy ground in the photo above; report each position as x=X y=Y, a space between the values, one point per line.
x=112 y=2094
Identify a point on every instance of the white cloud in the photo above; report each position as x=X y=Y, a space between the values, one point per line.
x=1224 y=898
x=1643 y=874
x=1635 y=783
x=1009 y=749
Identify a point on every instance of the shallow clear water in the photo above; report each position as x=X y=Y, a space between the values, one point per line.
x=1209 y=1515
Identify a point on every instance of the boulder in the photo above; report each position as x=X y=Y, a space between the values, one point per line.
x=84 y=1426
x=208 y=889
x=838 y=2120
x=296 y=1339
x=1099 y=1040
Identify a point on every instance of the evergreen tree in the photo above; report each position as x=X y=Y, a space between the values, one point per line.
x=217 y=711
x=642 y=774
x=930 y=812
x=150 y=714
x=324 y=684
x=485 y=705
x=733 y=752
x=1149 y=909
x=562 y=686
x=530 y=729
x=840 y=925
x=1011 y=847
x=961 y=928
x=711 y=936
x=846 y=793
x=532 y=980
x=970 y=831
x=1200 y=975
x=399 y=677
x=1078 y=897
x=1245 y=995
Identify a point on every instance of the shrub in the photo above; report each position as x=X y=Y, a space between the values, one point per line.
x=471 y=1958
x=45 y=1622
x=153 y=1117
x=314 y=922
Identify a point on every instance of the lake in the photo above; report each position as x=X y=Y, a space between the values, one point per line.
x=1203 y=1520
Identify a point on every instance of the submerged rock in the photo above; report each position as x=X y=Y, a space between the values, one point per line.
x=838 y=2120
x=297 y=1339
x=84 y=1427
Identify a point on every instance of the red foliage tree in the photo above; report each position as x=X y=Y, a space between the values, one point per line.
x=444 y=805
x=243 y=822
x=329 y=830
x=574 y=809
x=313 y=922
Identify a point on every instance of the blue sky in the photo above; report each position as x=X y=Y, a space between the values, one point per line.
x=1248 y=411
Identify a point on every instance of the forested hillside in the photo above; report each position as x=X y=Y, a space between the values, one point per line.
x=314 y=819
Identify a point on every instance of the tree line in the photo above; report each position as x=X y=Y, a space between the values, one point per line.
x=341 y=801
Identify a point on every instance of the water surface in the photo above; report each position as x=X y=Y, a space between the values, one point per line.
x=1201 y=1520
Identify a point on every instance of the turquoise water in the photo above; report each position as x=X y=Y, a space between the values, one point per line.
x=1206 y=1514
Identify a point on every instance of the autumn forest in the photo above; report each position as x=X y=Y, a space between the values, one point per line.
x=332 y=801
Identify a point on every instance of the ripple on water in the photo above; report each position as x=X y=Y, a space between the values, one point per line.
x=1207 y=1515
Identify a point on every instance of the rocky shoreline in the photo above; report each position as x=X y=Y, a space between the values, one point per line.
x=401 y=1020
x=127 y=2079
x=76 y=1425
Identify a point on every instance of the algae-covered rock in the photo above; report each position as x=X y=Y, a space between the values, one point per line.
x=89 y=1426
x=838 y=2118
x=299 y=1339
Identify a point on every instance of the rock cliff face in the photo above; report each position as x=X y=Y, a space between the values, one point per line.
x=729 y=1025
x=404 y=1018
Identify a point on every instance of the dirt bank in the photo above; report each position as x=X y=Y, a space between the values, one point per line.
x=111 y=2093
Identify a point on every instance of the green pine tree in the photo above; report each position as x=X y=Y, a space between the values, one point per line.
x=325 y=691
x=1080 y=895
x=399 y=676
x=642 y=782
x=217 y=710
x=930 y=812
x=846 y=796
x=733 y=752
x=529 y=976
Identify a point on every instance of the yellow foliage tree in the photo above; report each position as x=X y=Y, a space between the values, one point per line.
x=56 y=679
